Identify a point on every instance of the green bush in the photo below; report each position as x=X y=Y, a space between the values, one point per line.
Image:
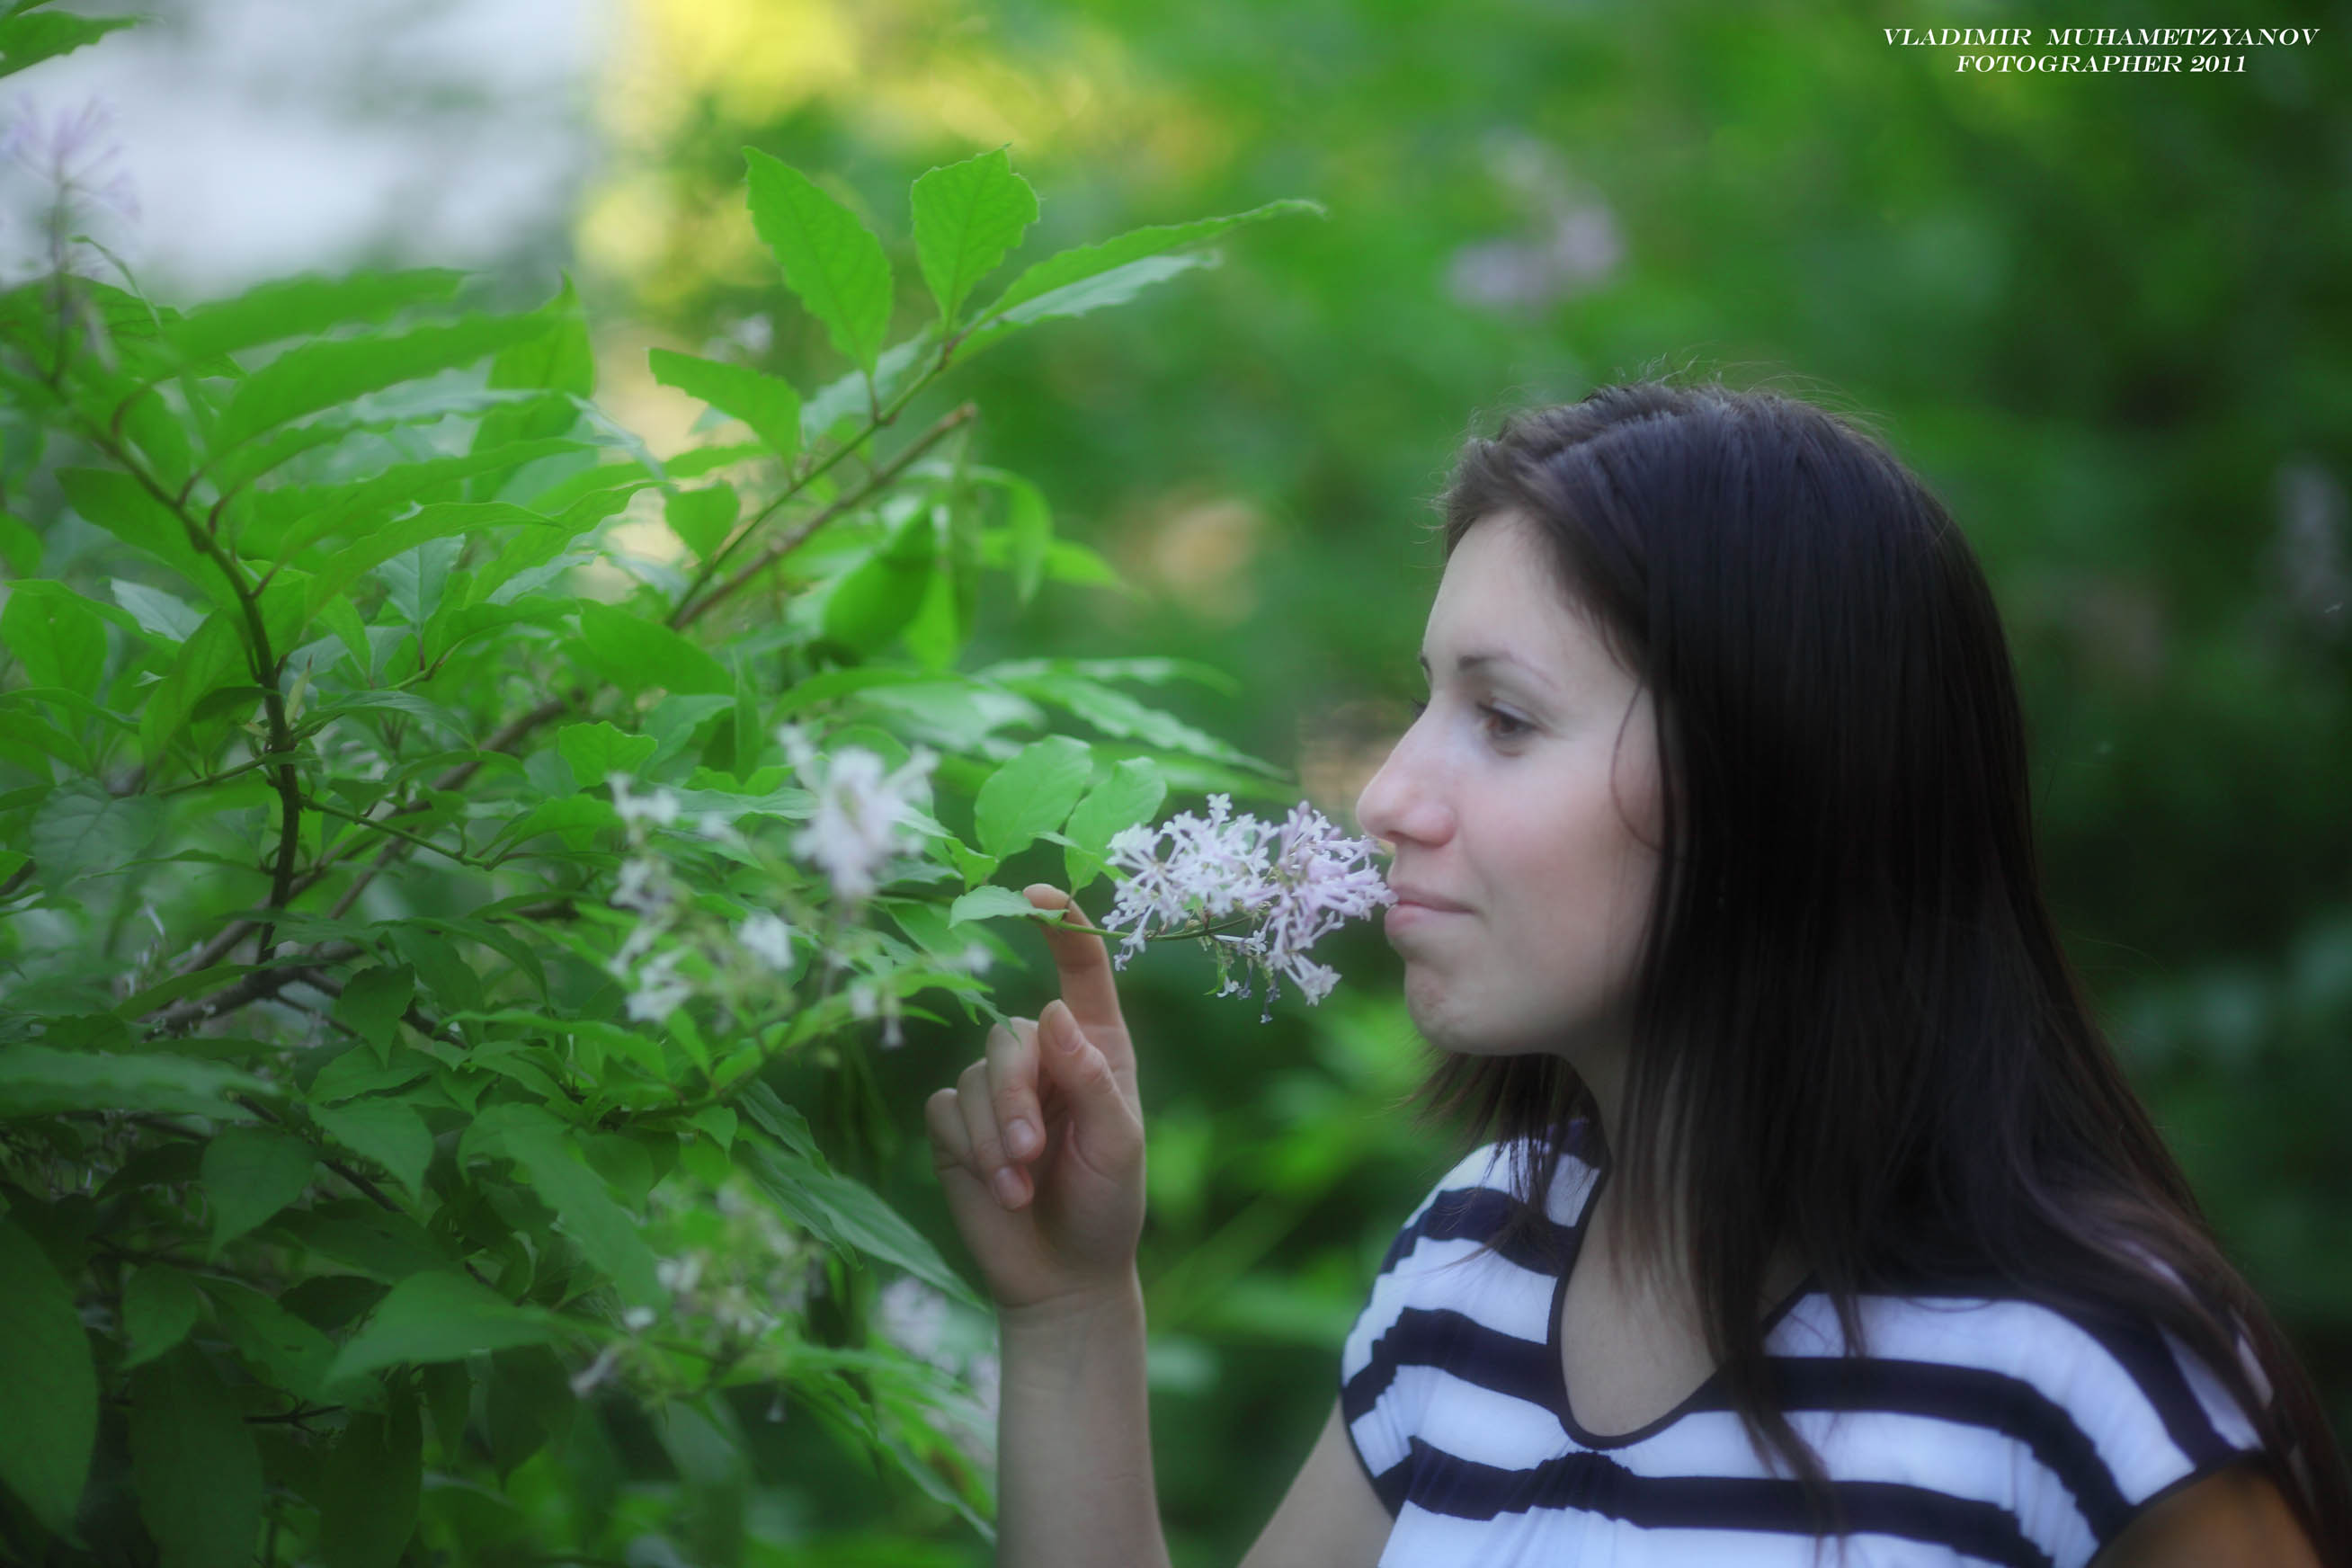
x=423 y=1186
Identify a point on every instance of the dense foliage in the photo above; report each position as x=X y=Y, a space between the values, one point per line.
x=399 y=940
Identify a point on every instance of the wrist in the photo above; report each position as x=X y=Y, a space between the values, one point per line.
x=1114 y=1302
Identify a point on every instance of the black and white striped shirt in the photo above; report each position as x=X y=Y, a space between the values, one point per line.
x=1977 y=1430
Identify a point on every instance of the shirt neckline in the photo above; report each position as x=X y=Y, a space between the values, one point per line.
x=1564 y=1407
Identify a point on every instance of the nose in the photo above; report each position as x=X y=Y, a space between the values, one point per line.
x=1399 y=803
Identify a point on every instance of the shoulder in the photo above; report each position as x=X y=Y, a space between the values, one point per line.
x=1476 y=1199
x=2102 y=1417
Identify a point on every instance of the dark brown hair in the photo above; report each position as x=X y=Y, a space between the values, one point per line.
x=1855 y=1030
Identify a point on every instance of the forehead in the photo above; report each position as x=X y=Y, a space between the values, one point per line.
x=1501 y=595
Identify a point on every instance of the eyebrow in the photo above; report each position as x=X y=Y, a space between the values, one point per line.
x=1470 y=661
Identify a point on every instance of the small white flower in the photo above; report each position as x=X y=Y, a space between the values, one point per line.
x=860 y=810
x=587 y=1378
x=678 y=1275
x=659 y=991
x=660 y=806
x=766 y=937
x=642 y=885
x=637 y=1320
x=914 y=1317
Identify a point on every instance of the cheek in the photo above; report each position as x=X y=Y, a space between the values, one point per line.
x=1581 y=880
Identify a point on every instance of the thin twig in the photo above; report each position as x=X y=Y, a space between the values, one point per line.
x=792 y=538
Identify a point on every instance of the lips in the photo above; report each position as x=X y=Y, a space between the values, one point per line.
x=1422 y=897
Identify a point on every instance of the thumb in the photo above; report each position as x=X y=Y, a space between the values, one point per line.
x=1104 y=1120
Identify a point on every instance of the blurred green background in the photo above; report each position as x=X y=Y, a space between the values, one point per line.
x=2110 y=318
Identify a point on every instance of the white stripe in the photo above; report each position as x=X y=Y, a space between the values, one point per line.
x=1481 y=1425
x=2021 y=1340
x=1956 y=1458
x=1425 y=1540
x=1440 y=1276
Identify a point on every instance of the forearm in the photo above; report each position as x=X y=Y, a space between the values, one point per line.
x=1074 y=1438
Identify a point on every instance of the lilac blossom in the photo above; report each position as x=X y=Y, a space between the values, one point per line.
x=1292 y=884
x=72 y=151
x=860 y=810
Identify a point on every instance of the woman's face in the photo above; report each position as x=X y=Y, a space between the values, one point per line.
x=1509 y=799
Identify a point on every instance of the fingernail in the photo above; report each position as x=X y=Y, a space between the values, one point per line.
x=1019 y=1136
x=1065 y=1030
x=1008 y=1187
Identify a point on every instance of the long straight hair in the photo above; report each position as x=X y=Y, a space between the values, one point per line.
x=1855 y=1031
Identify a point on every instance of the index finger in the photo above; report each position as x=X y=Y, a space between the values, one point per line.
x=1088 y=989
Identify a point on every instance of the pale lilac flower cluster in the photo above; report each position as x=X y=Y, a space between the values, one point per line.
x=1293 y=884
x=73 y=153
x=920 y=1321
x=647 y=887
x=860 y=810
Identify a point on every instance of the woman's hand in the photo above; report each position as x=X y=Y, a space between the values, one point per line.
x=1052 y=1214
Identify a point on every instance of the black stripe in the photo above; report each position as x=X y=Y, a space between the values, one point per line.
x=1966 y=1395
x=1594 y=1483
x=1463 y=1346
x=2140 y=1350
x=1469 y=1214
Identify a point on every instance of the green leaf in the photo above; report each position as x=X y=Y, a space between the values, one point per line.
x=869 y=604
x=1031 y=794
x=526 y=1402
x=301 y=307
x=159 y=1306
x=830 y=259
x=1114 y=713
x=850 y=1215
x=373 y=1003
x=81 y=828
x=967 y=216
x=702 y=519
x=1089 y=293
x=194 y=1465
x=385 y=1132
x=342 y=618
x=1132 y=793
x=28 y=40
x=613 y=1240
x=988 y=904
x=369 y=1487
x=57 y=636
x=251 y=1173
x=323 y=373
x=1029 y=528
x=592 y=751
x=561 y=360
x=436 y=1316
x=20 y=546
x=291 y=1352
x=386 y=1245
x=768 y=404
x=213 y=657
x=35 y=1080
x=158 y=613
x=1060 y=284
x=635 y=653
x=288 y=518
x=125 y=509
x=49 y=1400
x=782 y=1122
x=441 y=520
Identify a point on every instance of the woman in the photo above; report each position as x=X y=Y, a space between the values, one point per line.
x=1819 y=1218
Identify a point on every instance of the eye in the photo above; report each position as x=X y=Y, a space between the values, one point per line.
x=1503 y=726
